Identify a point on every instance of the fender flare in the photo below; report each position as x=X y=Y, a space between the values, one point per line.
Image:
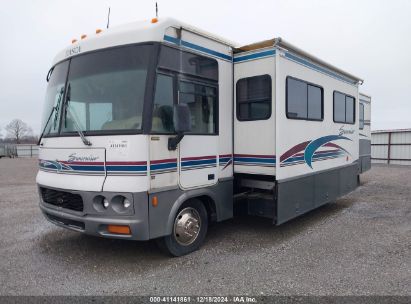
x=182 y=199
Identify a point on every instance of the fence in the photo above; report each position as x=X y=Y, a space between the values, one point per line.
x=391 y=147
x=23 y=150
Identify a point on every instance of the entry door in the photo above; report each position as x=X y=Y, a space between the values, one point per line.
x=198 y=151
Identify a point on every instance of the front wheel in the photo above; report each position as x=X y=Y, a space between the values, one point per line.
x=189 y=229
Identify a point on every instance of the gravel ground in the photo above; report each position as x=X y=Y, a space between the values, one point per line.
x=359 y=245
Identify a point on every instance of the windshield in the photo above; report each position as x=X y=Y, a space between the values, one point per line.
x=54 y=99
x=105 y=90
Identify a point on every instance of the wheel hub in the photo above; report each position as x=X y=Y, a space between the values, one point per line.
x=187 y=225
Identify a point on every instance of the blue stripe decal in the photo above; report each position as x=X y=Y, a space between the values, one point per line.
x=171 y=39
x=301 y=158
x=87 y=168
x=318 y=68
x=198 y=162
x=127 y=168
x=254 y=160
x=163 y=166
x=225 y=159
x=255 y=56
x=197 y=47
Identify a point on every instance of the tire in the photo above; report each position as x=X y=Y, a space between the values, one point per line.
x=189 y=230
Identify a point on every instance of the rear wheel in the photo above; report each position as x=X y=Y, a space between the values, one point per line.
x=189 y=229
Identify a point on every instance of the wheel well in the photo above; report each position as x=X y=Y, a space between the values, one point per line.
x=209 y=204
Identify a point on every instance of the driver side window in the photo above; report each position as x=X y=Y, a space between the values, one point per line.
x=163 y=105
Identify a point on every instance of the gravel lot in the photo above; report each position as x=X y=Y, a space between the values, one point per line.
x=359 y=245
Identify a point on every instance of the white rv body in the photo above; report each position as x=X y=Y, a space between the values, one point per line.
x=281 y=166
x=364 y=133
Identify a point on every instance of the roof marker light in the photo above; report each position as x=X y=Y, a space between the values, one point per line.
x=154 y=20
x=98 y=31
x=74 y=41
x=83 y=36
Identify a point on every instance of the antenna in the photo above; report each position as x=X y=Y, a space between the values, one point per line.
x=156 y=10
x=108 y=18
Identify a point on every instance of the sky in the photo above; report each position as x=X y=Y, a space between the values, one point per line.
x=368 y=38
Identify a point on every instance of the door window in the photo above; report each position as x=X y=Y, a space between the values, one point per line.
x=163 y=105
x=202 y=102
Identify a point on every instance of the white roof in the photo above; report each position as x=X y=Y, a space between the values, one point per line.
x=281 y=43
x=146 y=31
x=135 y=32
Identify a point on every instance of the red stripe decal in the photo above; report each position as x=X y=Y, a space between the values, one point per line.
x=199 y=157
x=226 y=155
x=253 y=155
x=82 y=163
x=294 y=150
x=161 y=161
x=123 y=163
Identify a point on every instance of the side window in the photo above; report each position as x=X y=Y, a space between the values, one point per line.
x=163 y=105
x=188 y=63
x=202 y=102
x=304 y=100
x=344 y=108
x=361 y=116
x=254 y=98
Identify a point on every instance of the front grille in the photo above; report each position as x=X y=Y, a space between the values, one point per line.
x=62 y=199
x=66 y=222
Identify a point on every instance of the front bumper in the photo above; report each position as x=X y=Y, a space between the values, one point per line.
x=96 y=224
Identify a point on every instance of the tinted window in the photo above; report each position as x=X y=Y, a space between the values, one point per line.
x=339 y=107
x=163 y=105
x=361 y=116
x=304 y=100
x=254 y=98
x=296 y=98
x=344 y=108
x=349 y=109
x=202 y=102
x=54 y=98
x=188 y=63
x=314 y=102
x=106 y=89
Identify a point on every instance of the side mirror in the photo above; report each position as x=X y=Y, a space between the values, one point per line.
x=182 y=124
x=182 y=118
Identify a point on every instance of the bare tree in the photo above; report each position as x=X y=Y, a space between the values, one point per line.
x=17 y=130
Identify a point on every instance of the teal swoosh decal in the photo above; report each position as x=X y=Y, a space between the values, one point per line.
x=315 y=144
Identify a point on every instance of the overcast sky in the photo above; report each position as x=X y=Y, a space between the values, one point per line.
x=370 y=39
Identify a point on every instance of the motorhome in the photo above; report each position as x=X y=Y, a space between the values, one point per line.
x=154 y=129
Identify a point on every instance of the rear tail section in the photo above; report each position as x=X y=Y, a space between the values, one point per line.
x=364 y=160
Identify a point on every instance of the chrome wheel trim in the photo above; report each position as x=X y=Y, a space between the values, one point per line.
x=187 y=226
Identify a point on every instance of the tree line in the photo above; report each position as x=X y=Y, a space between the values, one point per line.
x=18 y=132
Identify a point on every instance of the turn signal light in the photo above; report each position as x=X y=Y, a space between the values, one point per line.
x=119 y=229
x=154 y=20
x=154 y=201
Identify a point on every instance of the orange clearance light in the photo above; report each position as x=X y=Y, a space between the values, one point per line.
x=119 y=229
x=74 y=41
x=83 y=36
x=154 y=20
x=154 y=201
x=98 y=31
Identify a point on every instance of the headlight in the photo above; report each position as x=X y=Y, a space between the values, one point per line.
x=126 y=203
x=106 y=203
x=121 y=204
x=100 y=203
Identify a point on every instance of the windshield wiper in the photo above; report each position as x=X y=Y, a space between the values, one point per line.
x=54 y=109
x=74 y=119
